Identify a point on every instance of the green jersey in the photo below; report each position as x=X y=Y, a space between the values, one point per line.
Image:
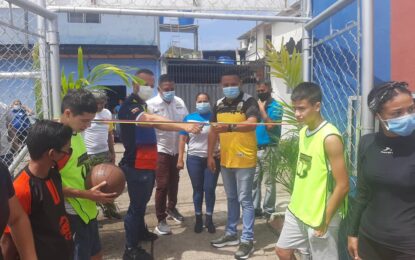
x=74 y=175
x=313 y=181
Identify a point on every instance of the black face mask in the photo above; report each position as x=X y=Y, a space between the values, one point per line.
x=263 y=96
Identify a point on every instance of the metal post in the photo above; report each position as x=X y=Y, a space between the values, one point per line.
x=19 y=158
x=306 y=45
x=367 y=64
x=196 y=39
x=43 y=64
x=53 y=40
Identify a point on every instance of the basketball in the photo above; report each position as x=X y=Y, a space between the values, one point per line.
x=110 y=173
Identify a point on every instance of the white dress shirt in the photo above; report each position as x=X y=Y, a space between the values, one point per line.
x=168 y=142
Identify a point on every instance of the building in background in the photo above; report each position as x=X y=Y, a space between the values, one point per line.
x=122 y=40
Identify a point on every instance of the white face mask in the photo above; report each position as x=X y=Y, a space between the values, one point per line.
x=145 y=92
x=16 y=107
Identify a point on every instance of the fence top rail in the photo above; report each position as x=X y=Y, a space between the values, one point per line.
x=196 y=5
x=201 y=15
x=34 y=8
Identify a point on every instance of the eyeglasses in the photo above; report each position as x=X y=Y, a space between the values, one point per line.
x=69 y=153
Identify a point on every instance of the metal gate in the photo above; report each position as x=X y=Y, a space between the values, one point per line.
x=24 y=78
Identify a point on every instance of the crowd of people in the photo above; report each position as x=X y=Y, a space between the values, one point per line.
x=49 y=213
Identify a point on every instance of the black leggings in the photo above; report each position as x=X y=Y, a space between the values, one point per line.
x=372 y=250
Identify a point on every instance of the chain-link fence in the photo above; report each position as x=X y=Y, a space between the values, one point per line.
x=336 y=68
x=23 y=79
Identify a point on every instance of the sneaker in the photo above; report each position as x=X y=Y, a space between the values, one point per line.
x=244 y=250
x=209 y=224
x=110 y=211
x=163 y=228
x=225 y=240
x=174 y=214
x=136 y=253
x=267 y=215
x=258 y=213
x=148 y=236
x=198 y=224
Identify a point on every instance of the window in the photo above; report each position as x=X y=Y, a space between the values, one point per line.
x=84 y=18
x=92 y=18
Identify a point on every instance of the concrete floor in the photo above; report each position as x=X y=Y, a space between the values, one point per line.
x=184 y=243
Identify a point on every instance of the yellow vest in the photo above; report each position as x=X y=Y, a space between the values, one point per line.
x=314 y=181
x=73 y=176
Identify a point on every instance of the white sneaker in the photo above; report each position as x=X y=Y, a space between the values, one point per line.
x=163 y=228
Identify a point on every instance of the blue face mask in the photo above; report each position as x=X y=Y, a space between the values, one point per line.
x=231 y=92
x=203 y=108
x=168 y=95
x=403 y=126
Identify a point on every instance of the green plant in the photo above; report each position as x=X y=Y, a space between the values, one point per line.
x=287 y=67
x=95 y=76
x=283 y=162
x=284 y=65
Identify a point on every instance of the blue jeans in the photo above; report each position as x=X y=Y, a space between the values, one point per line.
x=238 y=187
x=203 y=182
x=86 y=238
x=140 y=185
x=263 y=171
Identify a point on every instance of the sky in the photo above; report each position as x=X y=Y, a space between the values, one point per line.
x=213 y=34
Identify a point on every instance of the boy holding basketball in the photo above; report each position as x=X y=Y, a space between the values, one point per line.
x=321 y=182
x=38 y=188
x=78 y=110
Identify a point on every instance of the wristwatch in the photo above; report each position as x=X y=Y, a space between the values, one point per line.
x=231 y=127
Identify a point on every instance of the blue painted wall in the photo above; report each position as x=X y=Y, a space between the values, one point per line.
x=382 y=40
x=337 y=76
x=113 y=29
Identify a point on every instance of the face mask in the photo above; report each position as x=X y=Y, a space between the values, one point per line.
x=231 y=92
x=168 y=95
x=145 y=92
x=263 y=96
x=403 y=126
x=203 y=108
x=16 y=107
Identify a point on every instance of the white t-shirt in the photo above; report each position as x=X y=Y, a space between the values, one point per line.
x=167 y=142
x=96 y=136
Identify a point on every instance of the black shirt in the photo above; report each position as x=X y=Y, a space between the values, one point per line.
x=6 y=192
x=43 y=201
x=385 y=204
x=129 y=132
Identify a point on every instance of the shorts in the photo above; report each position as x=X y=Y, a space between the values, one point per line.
x=297 y=235
x=85 y=237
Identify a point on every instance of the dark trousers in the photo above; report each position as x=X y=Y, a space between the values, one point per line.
x=140 y=185
x=203 y=182
x=167 y=180
x=372 y=250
